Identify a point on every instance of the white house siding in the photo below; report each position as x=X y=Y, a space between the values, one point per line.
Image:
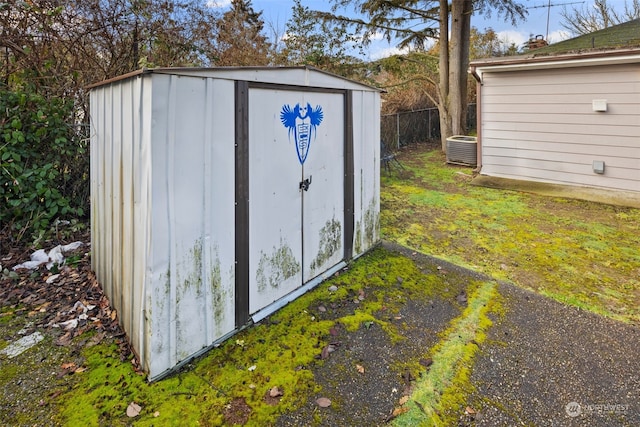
x=540 y=125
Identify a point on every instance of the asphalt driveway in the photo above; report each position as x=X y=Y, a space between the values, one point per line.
x=543 y=364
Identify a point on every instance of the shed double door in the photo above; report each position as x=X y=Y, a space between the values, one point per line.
x=296 y=189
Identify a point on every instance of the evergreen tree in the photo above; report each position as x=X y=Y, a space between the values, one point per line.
x=416 y=22
x=240 y=40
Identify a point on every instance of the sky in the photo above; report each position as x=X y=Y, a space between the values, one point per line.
x=276 y=13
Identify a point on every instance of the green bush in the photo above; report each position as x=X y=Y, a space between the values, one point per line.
x=43 y=164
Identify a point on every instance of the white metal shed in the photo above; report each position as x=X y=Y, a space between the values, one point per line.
x=220 y=194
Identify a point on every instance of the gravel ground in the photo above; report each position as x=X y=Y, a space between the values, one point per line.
x=543 y=364
x=547 y=364
x=369 y=398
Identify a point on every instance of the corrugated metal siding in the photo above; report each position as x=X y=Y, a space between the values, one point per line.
x=163 y=207
x=164 y=257
x=366 y=107
x=191 y=283
x=540 y=125
x=116 y=200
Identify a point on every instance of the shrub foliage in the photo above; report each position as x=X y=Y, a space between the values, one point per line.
x=43 y=163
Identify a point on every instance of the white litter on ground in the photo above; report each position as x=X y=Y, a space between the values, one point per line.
x=52 y=279
x=23 y=344
x=54 y=257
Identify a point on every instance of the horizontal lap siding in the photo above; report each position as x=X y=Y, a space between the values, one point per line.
x=540 y=125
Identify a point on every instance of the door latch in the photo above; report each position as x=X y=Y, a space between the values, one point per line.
x=304 y=185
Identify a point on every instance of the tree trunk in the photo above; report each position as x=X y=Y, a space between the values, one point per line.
x=465 y=48
x=443 y=89
x=460 y=38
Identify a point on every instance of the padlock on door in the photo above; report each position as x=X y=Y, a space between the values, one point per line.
x=304 y=185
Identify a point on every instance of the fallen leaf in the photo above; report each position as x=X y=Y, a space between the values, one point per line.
x=70 y=324
x=43 y=307
x=156 y=414
x=333 y=332
x=400 y=411
x=133 y=410
x=324 y=354
x=69 y=365
x=469 y=410
x=360 y=368
x=52 y=279
x=96 y=339
x=462 y=297
x=327 y=350
x=64 y=340
x=275 y=391
x=114 y=314
x=403 y=400
x=323 y=402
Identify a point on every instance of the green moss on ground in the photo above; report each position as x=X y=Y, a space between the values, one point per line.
x=577 y=252
x=439 y=395
x=279 y=352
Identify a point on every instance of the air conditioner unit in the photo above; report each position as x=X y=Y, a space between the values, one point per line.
x=462 y=150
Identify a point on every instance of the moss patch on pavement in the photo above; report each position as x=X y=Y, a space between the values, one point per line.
x=439 y=396
x=263 y=371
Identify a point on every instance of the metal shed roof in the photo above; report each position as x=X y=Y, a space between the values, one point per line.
x=304 y=76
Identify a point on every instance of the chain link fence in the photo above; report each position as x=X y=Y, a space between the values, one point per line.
x=411 y=127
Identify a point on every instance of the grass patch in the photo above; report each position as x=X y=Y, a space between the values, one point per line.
x=439 y=395
x=578 y=252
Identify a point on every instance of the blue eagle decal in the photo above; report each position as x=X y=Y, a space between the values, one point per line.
x=302 y=121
